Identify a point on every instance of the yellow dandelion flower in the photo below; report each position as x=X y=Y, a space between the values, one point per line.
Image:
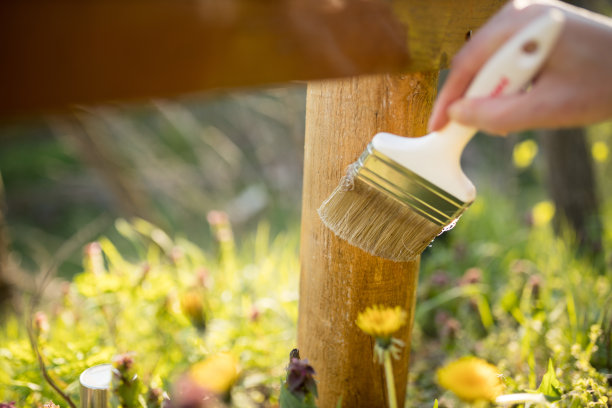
x=600 y=151
x=217 y=373
x=542 y=213
x=381 y=322
x=524 y=153
x=471 y=379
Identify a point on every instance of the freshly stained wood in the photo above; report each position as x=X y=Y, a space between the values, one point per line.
x=55 y=54
x=338 y=280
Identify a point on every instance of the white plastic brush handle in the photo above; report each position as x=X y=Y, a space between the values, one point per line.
x=436 y=156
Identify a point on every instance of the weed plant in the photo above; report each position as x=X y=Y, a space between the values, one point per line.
x=500 y=286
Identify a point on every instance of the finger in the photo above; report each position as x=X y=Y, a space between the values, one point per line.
x=475 y=53
x=505 y=114
x=466 y=64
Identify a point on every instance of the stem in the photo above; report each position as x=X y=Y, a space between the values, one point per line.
x=390 y=380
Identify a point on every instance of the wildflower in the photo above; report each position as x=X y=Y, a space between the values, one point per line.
x=471 y=276
x=535 y=284
x=155 y=398
x=192 y=306
x=176 y=254
x=216 y=218
x=219 y=221
x=202 y=277
x=542 y=213
x=94 y=261
x=50 y=404
x=524 y=153
x=123 y=362
x=600 y=151
x=217 y=373
x=7 y=404
x=471 y=379
x=300 y=387
x=41 y=323
x=125 y=382
x=381 y=322
x=254 y=314
x=300 y=379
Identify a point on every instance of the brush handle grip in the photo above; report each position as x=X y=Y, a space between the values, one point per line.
x=436 y=157
x=512 y=67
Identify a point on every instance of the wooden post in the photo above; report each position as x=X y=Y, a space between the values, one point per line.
x=338 y=281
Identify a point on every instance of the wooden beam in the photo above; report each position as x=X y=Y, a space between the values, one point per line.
x=65 y=52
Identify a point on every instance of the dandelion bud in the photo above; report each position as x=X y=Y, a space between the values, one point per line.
x=41 y=323
x=220 y=224
x=216 y=218
x=202 y=277
x=295 y=353
x=94 y=261
x=471 y=276
x=192 y=306
x=155 y=398
x=255 y=313
x=176 y=254
x=535 y=284
x=125 y=382
x=123 y=362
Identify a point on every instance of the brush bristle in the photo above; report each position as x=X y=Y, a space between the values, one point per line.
x=375 y=222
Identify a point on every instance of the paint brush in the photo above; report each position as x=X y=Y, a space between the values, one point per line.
x=403 y=192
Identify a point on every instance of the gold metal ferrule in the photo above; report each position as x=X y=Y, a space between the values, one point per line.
x=95 y=386
x=407 y=187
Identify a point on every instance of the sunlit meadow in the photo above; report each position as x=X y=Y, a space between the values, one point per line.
x=508 y=313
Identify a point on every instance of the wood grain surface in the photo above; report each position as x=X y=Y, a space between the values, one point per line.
x=61 y=53
x=338 y=281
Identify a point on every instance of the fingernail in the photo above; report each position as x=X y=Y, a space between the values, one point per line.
x=457 y=111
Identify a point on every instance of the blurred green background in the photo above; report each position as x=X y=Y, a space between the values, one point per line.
x=167 y=162
x=171 y=162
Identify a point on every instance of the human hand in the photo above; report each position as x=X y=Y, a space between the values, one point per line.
x=573 y=88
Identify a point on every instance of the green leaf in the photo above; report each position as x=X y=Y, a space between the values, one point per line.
x=550 y=385
x=288 y=400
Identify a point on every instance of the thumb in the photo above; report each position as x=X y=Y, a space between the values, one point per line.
x=498 y=115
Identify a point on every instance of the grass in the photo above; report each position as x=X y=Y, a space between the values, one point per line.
x=515 y=296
